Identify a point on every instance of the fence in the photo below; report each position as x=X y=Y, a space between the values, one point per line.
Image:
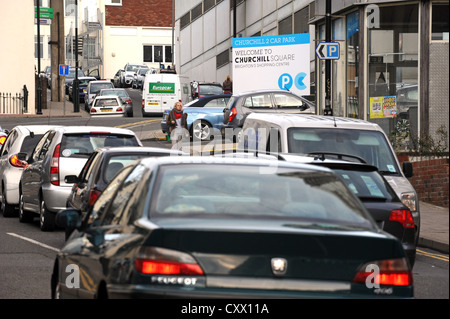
x=14 y=104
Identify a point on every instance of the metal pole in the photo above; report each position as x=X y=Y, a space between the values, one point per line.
x=328 y=110
x=234 y=19
x=75 y=92
x=39 y=87
x=173 y=31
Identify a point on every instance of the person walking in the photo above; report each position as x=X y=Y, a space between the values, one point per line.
x=227 y=85
x=177 y=121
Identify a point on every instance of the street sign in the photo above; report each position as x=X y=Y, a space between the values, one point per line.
x=328 y=51
x=44 y=10
x=44 y=15
x=63 y=69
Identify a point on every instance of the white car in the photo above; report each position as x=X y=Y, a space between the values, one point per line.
x=92 y=89
x=109 y=105
x=17 y=147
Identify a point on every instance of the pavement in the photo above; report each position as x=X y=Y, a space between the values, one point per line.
x=434 y=232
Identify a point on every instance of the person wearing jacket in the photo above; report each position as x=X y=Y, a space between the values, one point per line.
x=227 y=85
x=177 y=121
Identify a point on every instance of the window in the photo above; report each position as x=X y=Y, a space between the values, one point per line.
x=113 y=2
x=185 y=20
x=157 y=53
x=285 y=26
x=222 y=59
x=197 y=11
x=287 y=101
x=301 y=18
x=208 y=4
x=258 y=101
x=168 y=54
x=439 y=21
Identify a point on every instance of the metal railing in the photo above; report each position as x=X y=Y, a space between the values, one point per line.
x=14 y=103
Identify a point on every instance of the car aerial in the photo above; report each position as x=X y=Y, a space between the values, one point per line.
x=82 y=86
x=273 y=101
x=202 y=89
x=122 y=93
x=138 y=77
x=373 y=190
x=18 y=145
x=205 y=116
x=127 y=73
x=62 y=151
x=92 y=89
x=71 y=76
x=109 y=105
x=191 y=227
x=100 y=169
x=305 y=134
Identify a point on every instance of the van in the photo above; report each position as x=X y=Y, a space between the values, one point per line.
x=161 y=91
x=314 y=134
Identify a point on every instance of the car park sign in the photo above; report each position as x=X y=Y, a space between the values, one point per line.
x=328 y=51
x=272 y=62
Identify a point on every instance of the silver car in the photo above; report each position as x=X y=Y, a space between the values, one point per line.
x=18 y=145
x=61 y=152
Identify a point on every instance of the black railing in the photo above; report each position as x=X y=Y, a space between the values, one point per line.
x=14 y=103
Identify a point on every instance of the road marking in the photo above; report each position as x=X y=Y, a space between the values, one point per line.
x=431 y=255
x=33 y=241
x=137 y=123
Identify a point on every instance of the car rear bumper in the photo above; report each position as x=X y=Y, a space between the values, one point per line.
x=55 y=197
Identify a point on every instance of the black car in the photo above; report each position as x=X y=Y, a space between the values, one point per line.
x=196 y=227
x=82 y=85
x=202 y=89
x=266 y=101
x=68 y=79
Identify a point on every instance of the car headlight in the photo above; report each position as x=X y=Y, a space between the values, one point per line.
x=409 y=200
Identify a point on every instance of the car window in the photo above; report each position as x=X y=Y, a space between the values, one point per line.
x=9 y=142
x=38 y=148
x=115 y=163
x=122 y=197
x=287 y=101
x=96 y=87
x=258 y=101
x=29 y=143
x=106 y=102
x=210 y=89
x=121 y=93
x=87 y=168
x=46 y=145
x=76 y=145
x=107 y=196
x=222 y=102
x=217 y=191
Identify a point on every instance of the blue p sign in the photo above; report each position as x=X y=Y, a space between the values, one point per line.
x=333 y=51
x=285 y=81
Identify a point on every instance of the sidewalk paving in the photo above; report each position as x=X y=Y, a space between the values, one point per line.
x=434 y=231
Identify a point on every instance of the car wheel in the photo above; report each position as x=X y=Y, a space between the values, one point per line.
x=8 y=210
x=201 y=130
x=46 y=218
x=24 y=216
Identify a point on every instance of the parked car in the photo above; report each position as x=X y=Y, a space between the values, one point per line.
x=268 y=101
x=306 y=134
x=190 y=227
x=17 y=147
x=92 y=89
x=109 y=105
x=71 y=76
x=82 y=87
x=202 y=89
x=122 y=93
x=126 y=75
x=205 y=116
x=101 y=167
x=374 y=191
x=139 y=77
x=62 y=151
x=116 y=79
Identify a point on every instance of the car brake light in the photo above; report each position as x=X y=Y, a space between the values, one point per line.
x=143 y=103
x=119 y=109
x=128 y=102
x=16 y=162
x=54 y=166
x=2 y=140
x=392 y=272
x=93 y=195
x=403 y=216
x=153 y=260
x=93 y=110
x=233 y=114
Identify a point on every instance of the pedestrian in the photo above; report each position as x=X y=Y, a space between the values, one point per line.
x=227 y=85
x=177 y=121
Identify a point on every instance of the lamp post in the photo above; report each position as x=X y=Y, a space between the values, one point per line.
x=75 y=90
x=39 y=86
x=328 y=110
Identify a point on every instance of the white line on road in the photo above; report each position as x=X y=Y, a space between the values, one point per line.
x=33 y=242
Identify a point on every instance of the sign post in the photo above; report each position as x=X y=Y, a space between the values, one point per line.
x=64 y=70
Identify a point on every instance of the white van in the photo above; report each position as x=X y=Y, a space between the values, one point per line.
x=315 y=134
x=161 y=91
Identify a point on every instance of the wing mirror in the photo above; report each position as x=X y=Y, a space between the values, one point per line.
x=68 y=218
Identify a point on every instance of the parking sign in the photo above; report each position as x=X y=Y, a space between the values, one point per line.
x=328 y=51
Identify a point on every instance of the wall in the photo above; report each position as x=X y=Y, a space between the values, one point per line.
x=430 y=180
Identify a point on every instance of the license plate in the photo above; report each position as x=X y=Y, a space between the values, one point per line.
x=153 y=103
x=106 y=110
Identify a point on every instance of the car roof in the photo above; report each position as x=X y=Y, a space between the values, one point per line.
x=263 y=91
x=312 y=120
x=100 y=81
x=39 y=129
x=97 y=129
x=138 y=149
x=86 y=78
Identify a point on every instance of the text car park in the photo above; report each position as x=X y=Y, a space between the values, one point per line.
x=62 y=151
x=187 y=227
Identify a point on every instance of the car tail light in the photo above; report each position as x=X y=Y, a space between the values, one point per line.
x=392 y=272
x=162 y=261
x=93 y=110
x=54 y=166
x=119 y=109
x=403 y=216
x=143 y=103
x=16 y=162
x=128 y=102
x=233 y=114
x=93 y=195
x=2 y=140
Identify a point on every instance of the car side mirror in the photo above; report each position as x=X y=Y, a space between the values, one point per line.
x=71 y=179
x=408 y=169
x=68 y=218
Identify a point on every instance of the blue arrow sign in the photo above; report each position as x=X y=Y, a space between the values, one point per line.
x=328 y=51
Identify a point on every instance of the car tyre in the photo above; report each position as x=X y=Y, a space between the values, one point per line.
x=7 y=209
x=46 y=218
x=201 y=130
x=24 y=216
